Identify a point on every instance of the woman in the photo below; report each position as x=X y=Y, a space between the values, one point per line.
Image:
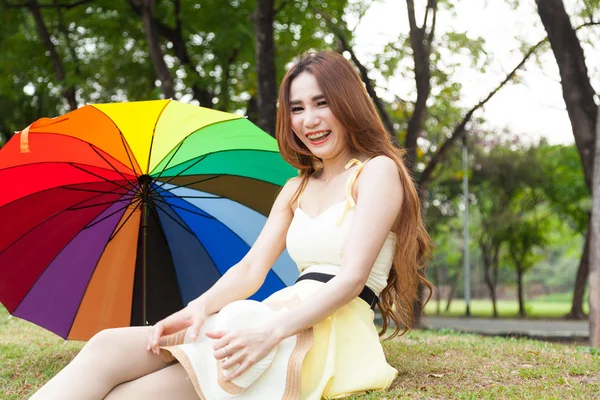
x=352 y=223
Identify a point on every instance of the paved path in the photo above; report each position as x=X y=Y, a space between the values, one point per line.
x=550 y=329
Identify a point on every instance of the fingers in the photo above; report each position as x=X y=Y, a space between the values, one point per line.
x=226 y=350
x=215 y=335
x=175 y=322
x=232 y=360
x=171 y=324
x=239 y=370
x=154 y=336
x=223 y=340
x=194 y=330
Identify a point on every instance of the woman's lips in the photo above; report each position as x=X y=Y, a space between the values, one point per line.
x=318 y=137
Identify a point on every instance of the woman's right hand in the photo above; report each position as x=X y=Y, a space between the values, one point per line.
x=192 y=317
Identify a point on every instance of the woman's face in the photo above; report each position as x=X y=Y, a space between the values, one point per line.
x=312 y=120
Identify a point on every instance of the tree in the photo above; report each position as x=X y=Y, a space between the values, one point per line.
x=421 y=40
x=507 y=184
x=568 y=197
x=527 y=234
x=578 y=95
x=595 y=248
x=29 y=88
x=146 y=11
x=490 y=207
x=265 y=64
x=67 y=90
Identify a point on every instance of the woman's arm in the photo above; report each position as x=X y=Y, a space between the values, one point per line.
x=246 y=277
x=241 y=280
x=377 y=208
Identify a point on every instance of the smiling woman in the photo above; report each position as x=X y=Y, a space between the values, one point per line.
x=351 y=222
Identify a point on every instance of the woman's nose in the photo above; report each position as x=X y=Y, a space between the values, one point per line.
x=311 y=118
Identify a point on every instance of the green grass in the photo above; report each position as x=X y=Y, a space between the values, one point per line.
x=551 y=308
x=431 y=365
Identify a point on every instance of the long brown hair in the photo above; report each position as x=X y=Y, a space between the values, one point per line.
x=350 y=104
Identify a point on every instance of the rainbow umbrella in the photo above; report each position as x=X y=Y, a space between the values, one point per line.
x=120 y=214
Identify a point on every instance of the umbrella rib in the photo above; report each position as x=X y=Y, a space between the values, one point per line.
x=112 y=166
x=170 y=159
x=154 y=133
x=98 y=176
x=109 y=215
x=89 y=190
x=185 y=209
x=44 y=221
x=177 y=222
x=175 y=176
x=154 y=190
x=137 y=205
x=215 y=197
x=193 y=183
x=127 y=151
x=95 y=205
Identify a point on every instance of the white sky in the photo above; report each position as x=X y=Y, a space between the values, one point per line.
x=533 y=107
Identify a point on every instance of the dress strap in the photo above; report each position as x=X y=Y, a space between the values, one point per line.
x=350 y=184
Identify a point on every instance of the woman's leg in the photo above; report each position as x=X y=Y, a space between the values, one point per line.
x=171 y=382
x=110 y=358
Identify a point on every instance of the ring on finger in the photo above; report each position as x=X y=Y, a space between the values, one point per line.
x=225 y=351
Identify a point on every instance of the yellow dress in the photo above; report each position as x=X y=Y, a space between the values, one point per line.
x=346 y=356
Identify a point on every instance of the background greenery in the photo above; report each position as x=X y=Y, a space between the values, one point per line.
x=529 y=201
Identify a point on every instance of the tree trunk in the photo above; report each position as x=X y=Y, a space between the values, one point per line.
x=146 y=8
x=175 y=36
x=227 y=75
x=578 y=92
x=67 y=92
x=595 y=248
x=520 y=291
x=265 y=65
x=252 y=110
x=582 y=277
x=420 y=41
x=453 y=289
x=438 y=295
x=65 y=31
x=578 y=95
x=489 y=279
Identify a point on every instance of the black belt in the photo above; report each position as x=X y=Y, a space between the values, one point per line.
x=367 y=294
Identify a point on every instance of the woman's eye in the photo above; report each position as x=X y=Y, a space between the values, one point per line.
x=296 y=109
x=321 y=103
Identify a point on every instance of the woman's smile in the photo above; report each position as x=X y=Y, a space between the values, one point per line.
x=318 y=137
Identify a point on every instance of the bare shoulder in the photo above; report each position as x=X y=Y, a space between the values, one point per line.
x=288 y=191
x=379 y=178
x=383 y=170
x=292 y=185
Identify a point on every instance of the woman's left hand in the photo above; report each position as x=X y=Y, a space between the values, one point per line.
x=243 y=347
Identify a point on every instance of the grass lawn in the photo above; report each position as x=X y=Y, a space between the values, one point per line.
x=556 y=308
x=436 y=365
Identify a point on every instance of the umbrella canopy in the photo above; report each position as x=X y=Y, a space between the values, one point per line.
x=120 y=214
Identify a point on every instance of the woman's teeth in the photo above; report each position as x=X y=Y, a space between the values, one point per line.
x=319 y=135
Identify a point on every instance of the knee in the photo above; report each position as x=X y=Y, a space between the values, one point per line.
x=104 y=338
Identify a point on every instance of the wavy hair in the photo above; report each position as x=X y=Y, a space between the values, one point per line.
x=351 y=105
